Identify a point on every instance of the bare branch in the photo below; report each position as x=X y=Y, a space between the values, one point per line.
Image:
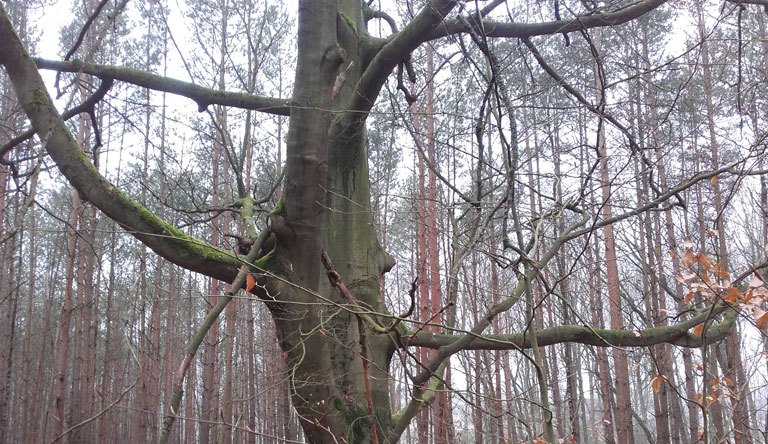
x=524 y=30
x=74 y=164
x=86 y=107
x=673 y=334
x=201 y=95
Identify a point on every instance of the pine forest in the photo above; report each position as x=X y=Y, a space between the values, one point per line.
x=384 y=221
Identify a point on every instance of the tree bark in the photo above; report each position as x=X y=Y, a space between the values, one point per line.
x=623 y=405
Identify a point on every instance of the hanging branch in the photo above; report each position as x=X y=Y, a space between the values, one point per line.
x=598 y=110
x=80 y=38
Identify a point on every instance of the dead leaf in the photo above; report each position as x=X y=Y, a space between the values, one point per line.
x=688 y=258
x=713 y=180
x=706 y=261
x=250 y=282
x=755 y=281
x=656 y=383
x=762 y=321
x=732 y=295
x=698 y=330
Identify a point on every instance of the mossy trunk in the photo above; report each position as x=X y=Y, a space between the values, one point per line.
x=327 y=207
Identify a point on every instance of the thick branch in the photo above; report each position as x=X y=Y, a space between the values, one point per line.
x=73 y=163
x=397 y=49
x=201 y=95
x=523 y=30
x=673 y=334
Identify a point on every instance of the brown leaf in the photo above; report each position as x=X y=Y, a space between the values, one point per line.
x=698 y=330
x=732 y=295
x=706 y=261
x=250 y=282
x=762 y=321
x=688 y=258
x=713 y=180
x=656 y=383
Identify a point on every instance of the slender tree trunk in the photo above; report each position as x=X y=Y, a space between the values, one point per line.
x=58 y=420
x=32 y=386
x=422 y=419
x=604 y=371
x=734 y=369
x=8 y=323
x=623 y=403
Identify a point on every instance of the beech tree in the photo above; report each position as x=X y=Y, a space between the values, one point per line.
x=317 y=264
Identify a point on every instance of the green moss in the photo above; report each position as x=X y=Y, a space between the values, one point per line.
x=268 y=262
x=247 y=209
x=340 y=406
x=348 y=20
x=39 y=97
x=279 y=209
x=189 y=243
x=87 y=163
x=358 y=420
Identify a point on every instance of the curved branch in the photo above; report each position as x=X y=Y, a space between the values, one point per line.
x=74 y=164
x=523 y=30
x=431 y=24
x=370 y=13
x=398 y=47
x=201 y=95
x=673 y=334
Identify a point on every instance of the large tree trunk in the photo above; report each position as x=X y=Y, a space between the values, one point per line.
x=326 y=168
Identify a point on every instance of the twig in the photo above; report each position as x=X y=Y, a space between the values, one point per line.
x=98 y=415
